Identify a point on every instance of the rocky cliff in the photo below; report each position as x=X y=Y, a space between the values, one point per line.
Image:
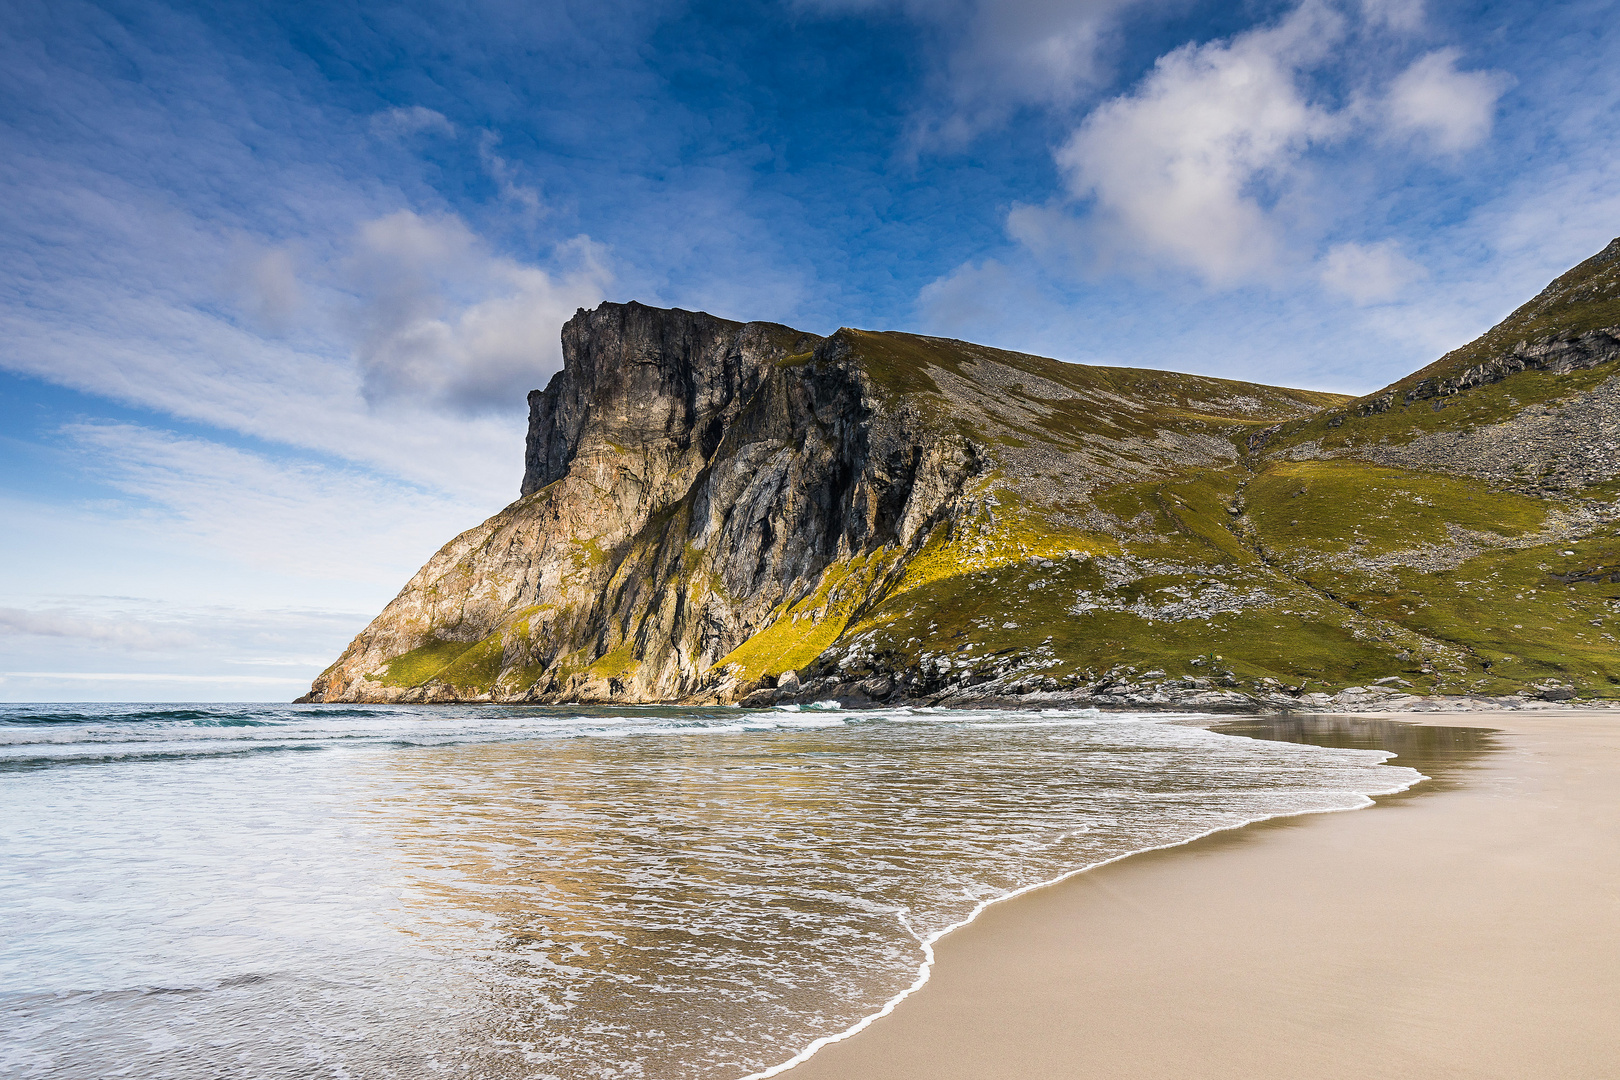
x=723 y=511
x=688 y=479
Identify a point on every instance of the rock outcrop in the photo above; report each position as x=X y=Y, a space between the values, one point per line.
x=720 y=511
x=686 y=477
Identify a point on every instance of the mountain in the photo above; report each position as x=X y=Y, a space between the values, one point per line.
x=720 y=511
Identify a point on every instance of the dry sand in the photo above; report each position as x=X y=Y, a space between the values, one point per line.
x=1470 y=932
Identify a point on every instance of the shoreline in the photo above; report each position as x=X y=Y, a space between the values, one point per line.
x=925 y=969
x=1360 y=701
x=1075 y=977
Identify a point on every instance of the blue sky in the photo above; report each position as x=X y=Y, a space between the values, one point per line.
x=276 y=278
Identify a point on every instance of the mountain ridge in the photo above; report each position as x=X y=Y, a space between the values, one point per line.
x=709 y=506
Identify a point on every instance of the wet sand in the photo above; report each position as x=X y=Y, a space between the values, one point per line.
x=1470 y=931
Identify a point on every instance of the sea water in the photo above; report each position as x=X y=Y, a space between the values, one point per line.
x=413 y=892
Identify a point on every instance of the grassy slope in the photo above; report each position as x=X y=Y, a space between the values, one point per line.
x=1112 y=402
x=1319 y=574
x=1338 y=599
x=1253 y=569
x=1184 y=594
x=1586 y=298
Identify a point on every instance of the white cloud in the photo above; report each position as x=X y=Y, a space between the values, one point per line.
x=1204 y=165
x=1369 y=273
x=971 y=296
x=270 y=291
x=412 y=311
x=136 y=648
x=151 y=676
x=147 y=686
x=443 y=320
x=262 y=562
x=412 y=120
x=1396 y=14
x=1450 y=109
x=196 y=367
x=255 y=328
x=122 y=633
x=1178 y=167
x=505 y=176
x=1040 y=52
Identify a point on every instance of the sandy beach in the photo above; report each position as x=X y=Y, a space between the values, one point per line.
x=1472 y=930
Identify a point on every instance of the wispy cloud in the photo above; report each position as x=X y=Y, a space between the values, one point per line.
x=505 y=175
x=995 y=57
x=1404 y=15
x=122 y=633
x=303 y=518
x=973 y=296
x=230 y=271
x=152 y=677
x=410 y=120
x=129 y=648
x=1368 y=273
x=269 y=290
x=416 y=313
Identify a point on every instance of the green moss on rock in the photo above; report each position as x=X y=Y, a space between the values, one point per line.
x=421 y=664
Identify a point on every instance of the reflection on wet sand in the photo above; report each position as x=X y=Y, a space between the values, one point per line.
x=668 y=911
x=707 y=904
x=1439 y=753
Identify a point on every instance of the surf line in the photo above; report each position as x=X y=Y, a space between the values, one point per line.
x=926 y=968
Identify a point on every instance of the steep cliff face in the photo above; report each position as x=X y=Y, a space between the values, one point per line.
x=708 y=506
x=687 y=477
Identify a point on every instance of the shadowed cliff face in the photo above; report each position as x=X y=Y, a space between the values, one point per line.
x=709 y=505
x=662 y=384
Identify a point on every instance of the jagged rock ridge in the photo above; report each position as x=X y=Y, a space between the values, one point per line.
x=708 y=505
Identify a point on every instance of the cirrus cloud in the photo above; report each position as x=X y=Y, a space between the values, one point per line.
x=410 y=120
x=994 y=57
x=119 y=632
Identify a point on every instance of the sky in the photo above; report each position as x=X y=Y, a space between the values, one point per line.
x=276 y=278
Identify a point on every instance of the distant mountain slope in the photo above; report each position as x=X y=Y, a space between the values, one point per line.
x=1531 y=404
x=710 y=505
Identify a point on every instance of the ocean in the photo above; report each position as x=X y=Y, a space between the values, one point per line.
x=266 y=891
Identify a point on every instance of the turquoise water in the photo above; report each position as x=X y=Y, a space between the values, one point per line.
x=292 y=891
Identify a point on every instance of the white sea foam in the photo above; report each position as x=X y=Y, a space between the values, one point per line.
x=926 y=969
